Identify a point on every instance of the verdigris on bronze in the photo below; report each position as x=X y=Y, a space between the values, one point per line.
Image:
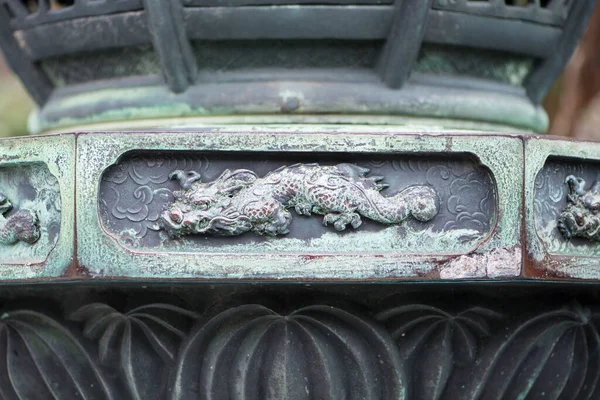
x=22 y=225
x=124 y=188
x=239 y=201
x=278 y=60
x=242 y=327
x=36 y=206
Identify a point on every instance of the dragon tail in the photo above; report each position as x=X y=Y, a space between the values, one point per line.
x=420 y=202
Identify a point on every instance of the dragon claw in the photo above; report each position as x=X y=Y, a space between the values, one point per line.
x=340 y=225
x=341 y=221
x=330 y=218
x=303 y=209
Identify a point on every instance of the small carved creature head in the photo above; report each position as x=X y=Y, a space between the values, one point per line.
x=207 y=208
x=580 y=217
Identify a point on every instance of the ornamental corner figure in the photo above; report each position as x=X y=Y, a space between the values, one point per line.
x=580 y=216
x=22 y=225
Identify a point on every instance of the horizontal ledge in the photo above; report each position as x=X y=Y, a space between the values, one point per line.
x=492 y=33
x=24 y=19
x=105 y=251
x=554 y=15
x=84 y=35
x=453 y=100
x=274 y=3
x=287 y=23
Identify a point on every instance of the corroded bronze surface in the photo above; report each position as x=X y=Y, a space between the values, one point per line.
x=560 y=204
x=579 y=217
x=124 y=187
x=136 y=191
x=37 y=190
x=229 y=297
x=497 y=215
x=22 y=225
x=163 y=59
x=293 y=342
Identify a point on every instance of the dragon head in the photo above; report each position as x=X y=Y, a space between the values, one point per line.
x=580 y=216
x=207 y=207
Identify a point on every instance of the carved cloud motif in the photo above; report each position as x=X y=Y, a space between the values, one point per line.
x=139 y=191
x=465 y=192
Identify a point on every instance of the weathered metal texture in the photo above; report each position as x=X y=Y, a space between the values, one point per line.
x=548 y=12
x=161 y=53
x=403 y=43
x=37 y=186
x=124 y=196
x=123 y=187
x=171 y=43
x=241 y=201
x=332 y=99
x=560 y=237
x=392 y=342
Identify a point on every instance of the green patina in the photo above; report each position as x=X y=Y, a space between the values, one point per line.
x=388 y=240
x=38 y=174
x=461 y=106
x=557 y=256
x=32 y=188
x=392 y=253
x=496 y=66
x=125 y=84
x=355 y=257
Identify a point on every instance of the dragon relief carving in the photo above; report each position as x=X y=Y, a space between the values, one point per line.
x=239 y=201
x=580 y=217
x=22 y=225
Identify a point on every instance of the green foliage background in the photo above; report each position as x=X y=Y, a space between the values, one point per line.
x=15 y=104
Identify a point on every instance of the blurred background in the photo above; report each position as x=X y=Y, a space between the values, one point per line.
x=573 y=103
x=15 y=103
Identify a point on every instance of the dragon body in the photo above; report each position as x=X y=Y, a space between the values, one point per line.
x=239 y=201
x=22 y=225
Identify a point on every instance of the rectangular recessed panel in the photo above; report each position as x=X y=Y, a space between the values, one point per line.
x=37 y=207
x=274 y=193
x=565 y=218
x=334 y=204
x=30 y=213
x=562 y=209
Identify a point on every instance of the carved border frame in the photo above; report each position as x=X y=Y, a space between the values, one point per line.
x=57 y=152
x=539 y=263
x=102 y=257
